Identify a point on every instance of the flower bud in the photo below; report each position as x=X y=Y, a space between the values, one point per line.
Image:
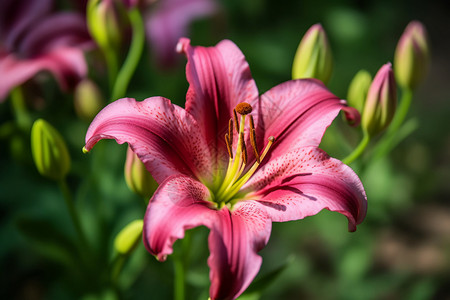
x=411 y=58
x=137 y=177
x=313 y=58
x=49 y=151
x=381 y=102
x=105 y=22
x=128 y=237
x=358 y=89
x=88 y=100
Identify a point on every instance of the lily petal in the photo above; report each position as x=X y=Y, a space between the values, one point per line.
x=66 y=64
x=234 y=241
x=297 y=113
x=304 y=181
x=163 y=135
x=180 y=203
x=219 y=78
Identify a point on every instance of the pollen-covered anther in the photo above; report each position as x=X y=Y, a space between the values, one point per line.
x=236 y=122
x=244 y=108
x=229 y=142
x=243 y=148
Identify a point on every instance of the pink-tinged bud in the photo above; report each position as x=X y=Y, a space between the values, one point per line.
x=313 y=58
x=412 y=56
x=358 y=90
x=88 y=100
x=137 y=177
x=381 y=102
x=105 y=19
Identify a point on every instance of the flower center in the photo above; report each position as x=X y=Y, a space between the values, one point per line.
x=235 y=177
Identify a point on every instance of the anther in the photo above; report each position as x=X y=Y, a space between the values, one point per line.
x=243 y=148
x=236 y=122
x=253 y=142
x=230 y=131
x=244 y=108
x=228 y=142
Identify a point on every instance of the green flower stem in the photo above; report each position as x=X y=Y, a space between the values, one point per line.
x=20 y=109
x=73 y=212
x=387 y=142
x=112 y=63
x=180 y=261
x=180 y=274
x=359 y=150
x=134 y=54
x=117 y=266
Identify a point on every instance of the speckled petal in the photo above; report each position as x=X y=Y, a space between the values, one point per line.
x=296 y=113
x=304 y=181
x=236 y=236
x=163 y=135
x=180 y=203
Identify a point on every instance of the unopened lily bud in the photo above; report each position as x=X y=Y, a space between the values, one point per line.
x=128 y=237
x=358 y=89
x=381 y=102
x=313 y=58
x=137 y=177
x=105 y=22
x=411 y=56
x=88 y=100
x=49 y=151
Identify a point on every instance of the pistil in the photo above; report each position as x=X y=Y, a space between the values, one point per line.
x=233 y=180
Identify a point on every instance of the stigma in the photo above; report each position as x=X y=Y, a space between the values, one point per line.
x=235 y=177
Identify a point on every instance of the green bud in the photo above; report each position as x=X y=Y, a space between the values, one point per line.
x=49 y=151
x=358 y=89
x=381 y=102
x=411 y=58
x=138 y=179
x=105 y=22
x=88 y=100
x=313 y=58
x=128 y=237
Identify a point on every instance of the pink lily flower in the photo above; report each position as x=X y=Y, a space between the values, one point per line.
x=233 y=161
x=170 y=20
x=33 y=39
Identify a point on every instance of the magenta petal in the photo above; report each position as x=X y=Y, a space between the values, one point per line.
x=219 y=78
x=297 y=114
x=66 y=64
x=234 y=241
x=304 y=181
x=164 y=136
x=169 y=22
x=17 y=16
x=180 y=203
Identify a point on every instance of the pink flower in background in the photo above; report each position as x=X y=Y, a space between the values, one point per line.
x=233 y=161
x=169 y=20
x=34 y=39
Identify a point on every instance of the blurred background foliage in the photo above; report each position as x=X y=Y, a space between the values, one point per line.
x=401 y=250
